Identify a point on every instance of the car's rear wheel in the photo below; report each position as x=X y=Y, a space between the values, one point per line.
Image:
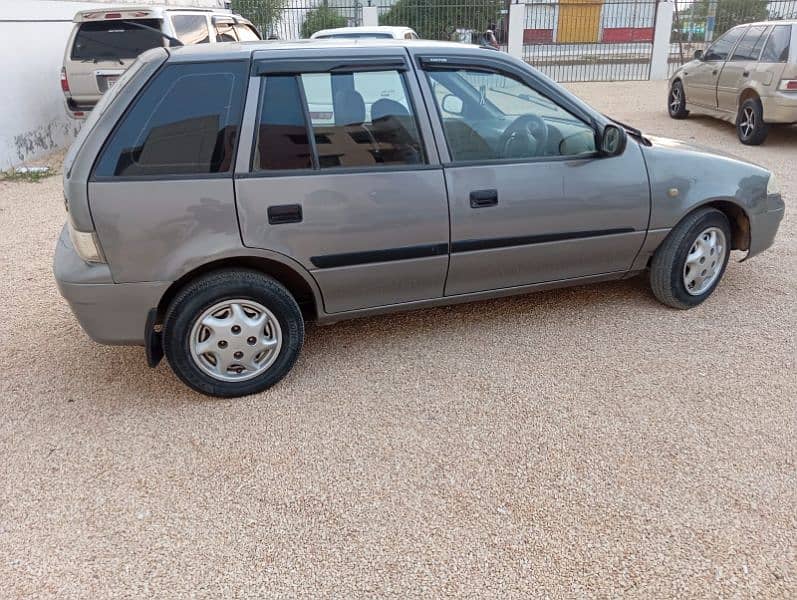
x=232 y=333
x=676 y=101
x=689 y=264
x=750 y=125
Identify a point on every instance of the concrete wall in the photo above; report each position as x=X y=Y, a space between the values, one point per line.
x=33 y=35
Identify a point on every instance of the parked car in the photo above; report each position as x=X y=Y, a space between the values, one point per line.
x=104 y=42
x=371 y=33
x=210 y=211
x=747 y=76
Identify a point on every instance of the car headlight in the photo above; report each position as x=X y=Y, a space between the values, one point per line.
x=86 y=244
x=772 y=185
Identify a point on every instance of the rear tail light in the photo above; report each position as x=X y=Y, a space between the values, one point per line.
x=788 y=85
x=64 y=81
x=113 y=15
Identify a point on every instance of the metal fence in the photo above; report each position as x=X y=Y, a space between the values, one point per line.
x=590 y=40
x=697 y=23
x=456 y=20
x=294 y=19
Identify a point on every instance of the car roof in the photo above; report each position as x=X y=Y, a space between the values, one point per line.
x=776 y=22
x=240 y=50
x=364 y=29
x=140 y=11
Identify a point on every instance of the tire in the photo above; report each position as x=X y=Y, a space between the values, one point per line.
x=268 y=322
x=751 y=133
x=686 y=242
x=676 y=101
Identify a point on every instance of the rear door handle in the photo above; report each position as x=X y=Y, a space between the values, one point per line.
x=284 y=213
x=746 y=74
x=483 y=198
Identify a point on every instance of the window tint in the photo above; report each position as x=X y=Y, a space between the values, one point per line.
x=745 y=50
x=246 y=33
x=720 y=49
x=191 y=29
x=185 y=122
x=362 y=119
x=488 y=116
x=281 y=140
x=113 y=40
x=777 y=48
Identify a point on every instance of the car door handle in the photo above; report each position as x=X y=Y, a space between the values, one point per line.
x=746 y=74
x=284 y=213
x=714 y=72
x=483 y=198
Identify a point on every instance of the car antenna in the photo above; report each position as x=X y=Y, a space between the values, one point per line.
x=172 y=40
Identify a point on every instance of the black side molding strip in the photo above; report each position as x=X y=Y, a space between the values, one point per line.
x=490 y=243
x=330 y=261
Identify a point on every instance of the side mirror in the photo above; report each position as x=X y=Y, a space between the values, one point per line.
x=613 y=141
x=452 y=104
x=698 y=55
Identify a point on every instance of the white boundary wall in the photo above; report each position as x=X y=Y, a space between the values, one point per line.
x=33 y=35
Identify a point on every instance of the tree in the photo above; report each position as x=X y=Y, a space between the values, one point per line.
x=438 y=19
x=265 y=14
x=323 y=17
x=729 y=13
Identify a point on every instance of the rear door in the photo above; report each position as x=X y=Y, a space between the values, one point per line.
x=774 y=63
x=701 y=78
x=342 y=175
x=741 y=70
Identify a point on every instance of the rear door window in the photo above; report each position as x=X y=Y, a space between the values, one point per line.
x=225 y=32
x=777 y=48
x=115 y=40
x=246 y=33
x=185 y=122
x=748 y=47
x=191 y=29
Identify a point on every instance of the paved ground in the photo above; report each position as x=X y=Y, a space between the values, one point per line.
x=585 y=442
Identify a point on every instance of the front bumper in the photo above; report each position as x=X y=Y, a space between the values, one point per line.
x=764 y=225
x=780 y=107
x=110 y=313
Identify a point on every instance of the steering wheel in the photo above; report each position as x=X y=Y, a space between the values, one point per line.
x=526 y=136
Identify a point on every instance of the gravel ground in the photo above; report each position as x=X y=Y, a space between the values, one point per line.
x=587 y=442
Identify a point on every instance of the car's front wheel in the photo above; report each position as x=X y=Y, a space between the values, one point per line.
x=232 y=333
x=689 y=264
x=676 y=101
x=750 y=125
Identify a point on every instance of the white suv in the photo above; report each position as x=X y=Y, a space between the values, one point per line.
x=104 y=42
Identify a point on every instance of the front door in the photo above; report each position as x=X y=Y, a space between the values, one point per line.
x=531 y=200
x=701 y=77
x=343 y=177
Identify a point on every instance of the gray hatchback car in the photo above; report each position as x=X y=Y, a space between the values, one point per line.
x=219 y=196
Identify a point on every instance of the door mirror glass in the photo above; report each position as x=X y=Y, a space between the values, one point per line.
x=452 y=104
x=613 y=141
x=698 y=55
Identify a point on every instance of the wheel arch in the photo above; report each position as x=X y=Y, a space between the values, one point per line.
x=737 y=217
x=301 y=285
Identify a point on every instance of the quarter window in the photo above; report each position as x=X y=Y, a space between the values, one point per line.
x=489 y=116
x=185 y=122
x=720 y=49
x=748 y=47
x=191 y=29
x=777 y=48
x=246 y=33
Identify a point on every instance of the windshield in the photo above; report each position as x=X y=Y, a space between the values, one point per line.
x=115 y=40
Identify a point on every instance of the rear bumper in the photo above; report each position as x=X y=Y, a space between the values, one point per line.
x=110 y=313
x=781 y=107
x=764 y=226
x=78 y=110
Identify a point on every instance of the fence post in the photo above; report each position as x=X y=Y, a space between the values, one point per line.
x=517 y=23
x=660 y=57
x=370 y=16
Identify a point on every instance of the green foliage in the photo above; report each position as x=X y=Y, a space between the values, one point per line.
x=263 y=13
x=438 y=19
x=323 y=17
x=729 y=13
x=27 y=176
